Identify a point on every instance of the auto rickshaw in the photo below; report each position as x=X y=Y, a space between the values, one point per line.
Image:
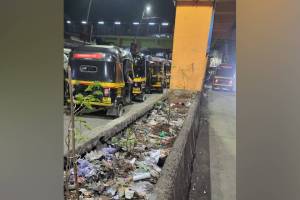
x=168 y=72
x=140 y=87
x=108 y=69
x=157 y=74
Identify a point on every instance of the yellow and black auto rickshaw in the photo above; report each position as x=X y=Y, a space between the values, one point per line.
x=106 y=68
x=157 y=74
x=167 y=68
x=140 y=87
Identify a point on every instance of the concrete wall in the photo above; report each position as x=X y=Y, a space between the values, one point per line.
x=174 y=183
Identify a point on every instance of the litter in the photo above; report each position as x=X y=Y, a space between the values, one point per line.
x=133 y=160
x=129 y=193
x=154 y=156
x=142 y=188
x=141 y=176
x=109 y=150
x=111 y=191
x=94 y=155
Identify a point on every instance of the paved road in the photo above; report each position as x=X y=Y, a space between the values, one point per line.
x=222 y=136
x=99 y=120
x=214 y=169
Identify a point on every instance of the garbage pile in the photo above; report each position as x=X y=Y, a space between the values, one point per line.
x=130 y=164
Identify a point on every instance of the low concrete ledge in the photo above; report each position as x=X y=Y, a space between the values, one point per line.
x=115 y=126
x=175 y=179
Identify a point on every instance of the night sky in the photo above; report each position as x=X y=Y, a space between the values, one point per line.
x=122 y=10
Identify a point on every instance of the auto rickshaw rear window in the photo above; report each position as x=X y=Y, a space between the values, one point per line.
x=94 y=71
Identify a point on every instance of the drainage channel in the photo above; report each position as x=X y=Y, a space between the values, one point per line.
x=127 y=165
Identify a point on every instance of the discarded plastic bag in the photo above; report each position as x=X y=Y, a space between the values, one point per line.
x=94 y=155
x=109 y=150
x=153 y=157
x=141 y=176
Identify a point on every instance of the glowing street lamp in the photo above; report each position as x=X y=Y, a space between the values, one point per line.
x=136 y=23
x=83 y=22
x=68 y=22
x=146 y=10
x=101 y=22
x=165 y=24
x=117 y=23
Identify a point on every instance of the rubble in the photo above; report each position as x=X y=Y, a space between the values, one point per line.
x=130 y=165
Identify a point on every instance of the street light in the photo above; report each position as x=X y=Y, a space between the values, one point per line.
x=101 y=22
x=136 y=23
x=117 y=23
x=68 y=22
x=165 y=24
x=83 y=22
x=146 y=10
x=151 y=23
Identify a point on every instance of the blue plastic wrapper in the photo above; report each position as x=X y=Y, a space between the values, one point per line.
x=85 y=169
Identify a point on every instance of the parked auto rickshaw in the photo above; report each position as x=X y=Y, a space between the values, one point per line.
x=107 y=68
x=140 y=87
x=168 y=72
x=157 y=74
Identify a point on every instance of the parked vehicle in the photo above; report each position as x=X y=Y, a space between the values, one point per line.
x=108 y=68
x=157 y=74
x=224 y=78
x=140 y=86
x=168 y=72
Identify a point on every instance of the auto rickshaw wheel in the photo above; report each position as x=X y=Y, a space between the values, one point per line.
x=128 y=98
x=147 y=90
x=143 y=98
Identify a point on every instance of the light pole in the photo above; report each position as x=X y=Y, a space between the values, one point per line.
x=146 y=10
x=88 y=12
x=87 y=19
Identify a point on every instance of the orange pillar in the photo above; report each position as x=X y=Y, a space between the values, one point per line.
x=191 y=34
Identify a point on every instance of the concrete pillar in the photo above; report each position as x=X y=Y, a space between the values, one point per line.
x=192 y=28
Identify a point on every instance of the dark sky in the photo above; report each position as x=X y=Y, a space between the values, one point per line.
x=123 y=10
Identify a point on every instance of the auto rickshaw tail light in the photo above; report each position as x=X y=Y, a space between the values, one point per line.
x=88 y=55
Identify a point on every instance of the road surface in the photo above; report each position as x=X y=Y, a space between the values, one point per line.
x=214 y=168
